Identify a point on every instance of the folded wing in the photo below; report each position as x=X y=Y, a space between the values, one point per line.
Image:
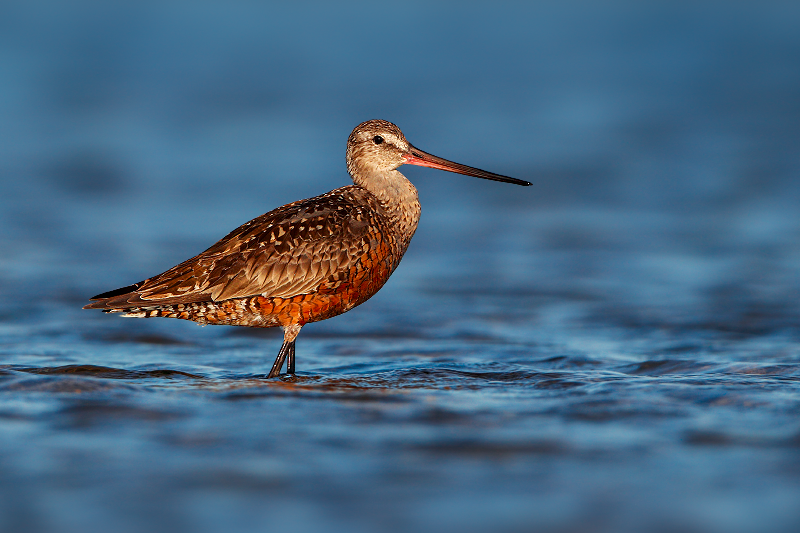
x=289 y=251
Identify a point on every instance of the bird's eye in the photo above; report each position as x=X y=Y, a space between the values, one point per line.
x=377 y=139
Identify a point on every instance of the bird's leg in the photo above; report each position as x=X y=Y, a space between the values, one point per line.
x=290 y=359
x=287 y=351
x=278 y=364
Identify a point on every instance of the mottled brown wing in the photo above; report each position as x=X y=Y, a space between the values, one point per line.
x=288 y=251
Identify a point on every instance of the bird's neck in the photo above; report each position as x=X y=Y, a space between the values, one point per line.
x=398 y=197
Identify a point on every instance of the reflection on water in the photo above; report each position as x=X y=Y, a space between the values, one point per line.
x=613 y=349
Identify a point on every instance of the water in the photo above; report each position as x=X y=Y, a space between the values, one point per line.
x=613 y=349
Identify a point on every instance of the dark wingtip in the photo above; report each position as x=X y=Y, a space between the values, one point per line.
x=117 y=292
x=98 y=302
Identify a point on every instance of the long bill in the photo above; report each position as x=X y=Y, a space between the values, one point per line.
x=415 y=156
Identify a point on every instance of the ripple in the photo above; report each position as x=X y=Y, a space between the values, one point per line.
x=663 y=367
x=106 y=372
x=73 y=385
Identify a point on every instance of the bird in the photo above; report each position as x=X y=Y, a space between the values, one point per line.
x=305 y=261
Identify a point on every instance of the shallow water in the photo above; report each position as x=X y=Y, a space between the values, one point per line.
x=616 y=348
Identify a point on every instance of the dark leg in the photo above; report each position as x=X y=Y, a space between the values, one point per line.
x=287 y=351
x=290 y=359
x=286 y=347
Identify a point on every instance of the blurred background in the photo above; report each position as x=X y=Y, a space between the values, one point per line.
x=614 y=348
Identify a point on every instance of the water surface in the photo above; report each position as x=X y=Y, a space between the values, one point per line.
x=615 y=348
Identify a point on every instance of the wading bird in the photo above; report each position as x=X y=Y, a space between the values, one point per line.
x=306 y=261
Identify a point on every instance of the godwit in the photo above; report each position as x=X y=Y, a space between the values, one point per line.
x=306 y=261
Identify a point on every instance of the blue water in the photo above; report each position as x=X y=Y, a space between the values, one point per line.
x=616 y=348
